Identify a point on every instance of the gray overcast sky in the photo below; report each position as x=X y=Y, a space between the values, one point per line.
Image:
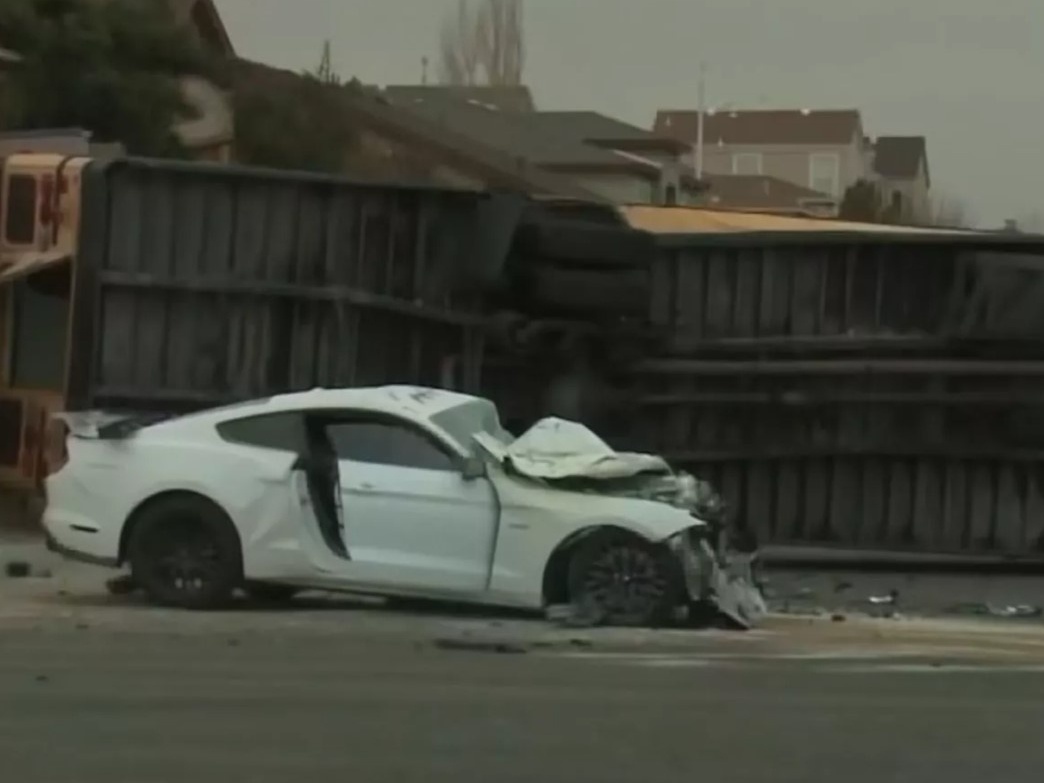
x=965 y=73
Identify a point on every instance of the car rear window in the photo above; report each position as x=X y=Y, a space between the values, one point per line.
x=278 y=431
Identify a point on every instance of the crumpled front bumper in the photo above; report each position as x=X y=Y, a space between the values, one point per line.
x=722 y=580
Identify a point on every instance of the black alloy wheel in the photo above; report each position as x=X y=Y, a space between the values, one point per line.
x=620 y=580
x=184 y=553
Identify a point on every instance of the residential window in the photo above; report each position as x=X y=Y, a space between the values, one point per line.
x=824 y=172
x=746 y=163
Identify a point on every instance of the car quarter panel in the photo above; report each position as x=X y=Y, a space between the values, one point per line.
x=105 y=481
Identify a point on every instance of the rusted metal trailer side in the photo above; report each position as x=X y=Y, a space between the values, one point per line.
x=196 y=284
x=861 y=390
x=799 y=291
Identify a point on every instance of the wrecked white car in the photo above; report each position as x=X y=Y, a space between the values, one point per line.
x=396 y=491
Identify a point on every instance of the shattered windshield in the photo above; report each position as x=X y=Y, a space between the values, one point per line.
x=463 y=422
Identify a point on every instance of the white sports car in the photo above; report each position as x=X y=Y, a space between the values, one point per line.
x=396 y=491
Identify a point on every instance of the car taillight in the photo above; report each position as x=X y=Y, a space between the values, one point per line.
x=56 y=450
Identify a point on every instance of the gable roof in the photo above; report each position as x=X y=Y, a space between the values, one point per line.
x=759 y=192
x=527 y=136
x=505 y=98
x=900 y=157
x=359 y=107
x=205 y=17
x=600 y=130
x=775 y=126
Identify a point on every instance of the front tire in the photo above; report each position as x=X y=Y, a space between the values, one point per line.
x=185 y=553
x=619 y=579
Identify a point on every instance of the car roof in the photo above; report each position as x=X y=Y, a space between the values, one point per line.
x=416 y=401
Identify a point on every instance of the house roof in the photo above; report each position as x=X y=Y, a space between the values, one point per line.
x=569 y=142
x=505 y=98
x=900 y=157
x=592 y=127
x=755 y=191
x=204 y=15
x=528 y=136
x=361 y=107
x=759 y=126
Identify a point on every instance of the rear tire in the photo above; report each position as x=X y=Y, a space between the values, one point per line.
x=185 y=553
x=618 y=579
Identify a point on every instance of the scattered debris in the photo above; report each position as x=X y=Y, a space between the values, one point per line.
x=469 y=645
x=1018 y=611
x=17 y=569
x=800 y=611
x=891 y=599
x=573 y=616
x=1008 y=612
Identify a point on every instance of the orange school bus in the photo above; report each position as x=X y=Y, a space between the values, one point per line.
x=39 y=227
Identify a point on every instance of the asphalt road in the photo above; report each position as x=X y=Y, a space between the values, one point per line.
x=101 y=689
x=94 y=689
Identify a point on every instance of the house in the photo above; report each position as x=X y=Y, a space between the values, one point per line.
x=210 y=132
x=900 y=169
x=820 y=150
x=620 y=162
x=759 y=193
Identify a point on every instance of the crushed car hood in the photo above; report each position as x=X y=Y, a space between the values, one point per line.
x=558 y=449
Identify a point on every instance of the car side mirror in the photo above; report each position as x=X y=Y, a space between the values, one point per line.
x=473 y=468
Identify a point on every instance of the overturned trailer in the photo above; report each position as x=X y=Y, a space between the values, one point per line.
x=855 y=388
x=843 y=385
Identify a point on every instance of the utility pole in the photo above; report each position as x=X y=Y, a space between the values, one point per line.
x=701 y=108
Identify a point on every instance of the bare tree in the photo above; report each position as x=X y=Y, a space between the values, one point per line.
x=483 y=43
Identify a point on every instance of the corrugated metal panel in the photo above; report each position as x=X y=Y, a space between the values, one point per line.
x=933 y=505
x=941 y=455
x=757 y=292
x=198 y=283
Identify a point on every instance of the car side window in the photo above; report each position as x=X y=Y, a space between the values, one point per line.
x=276 y=431
x=387 y=443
